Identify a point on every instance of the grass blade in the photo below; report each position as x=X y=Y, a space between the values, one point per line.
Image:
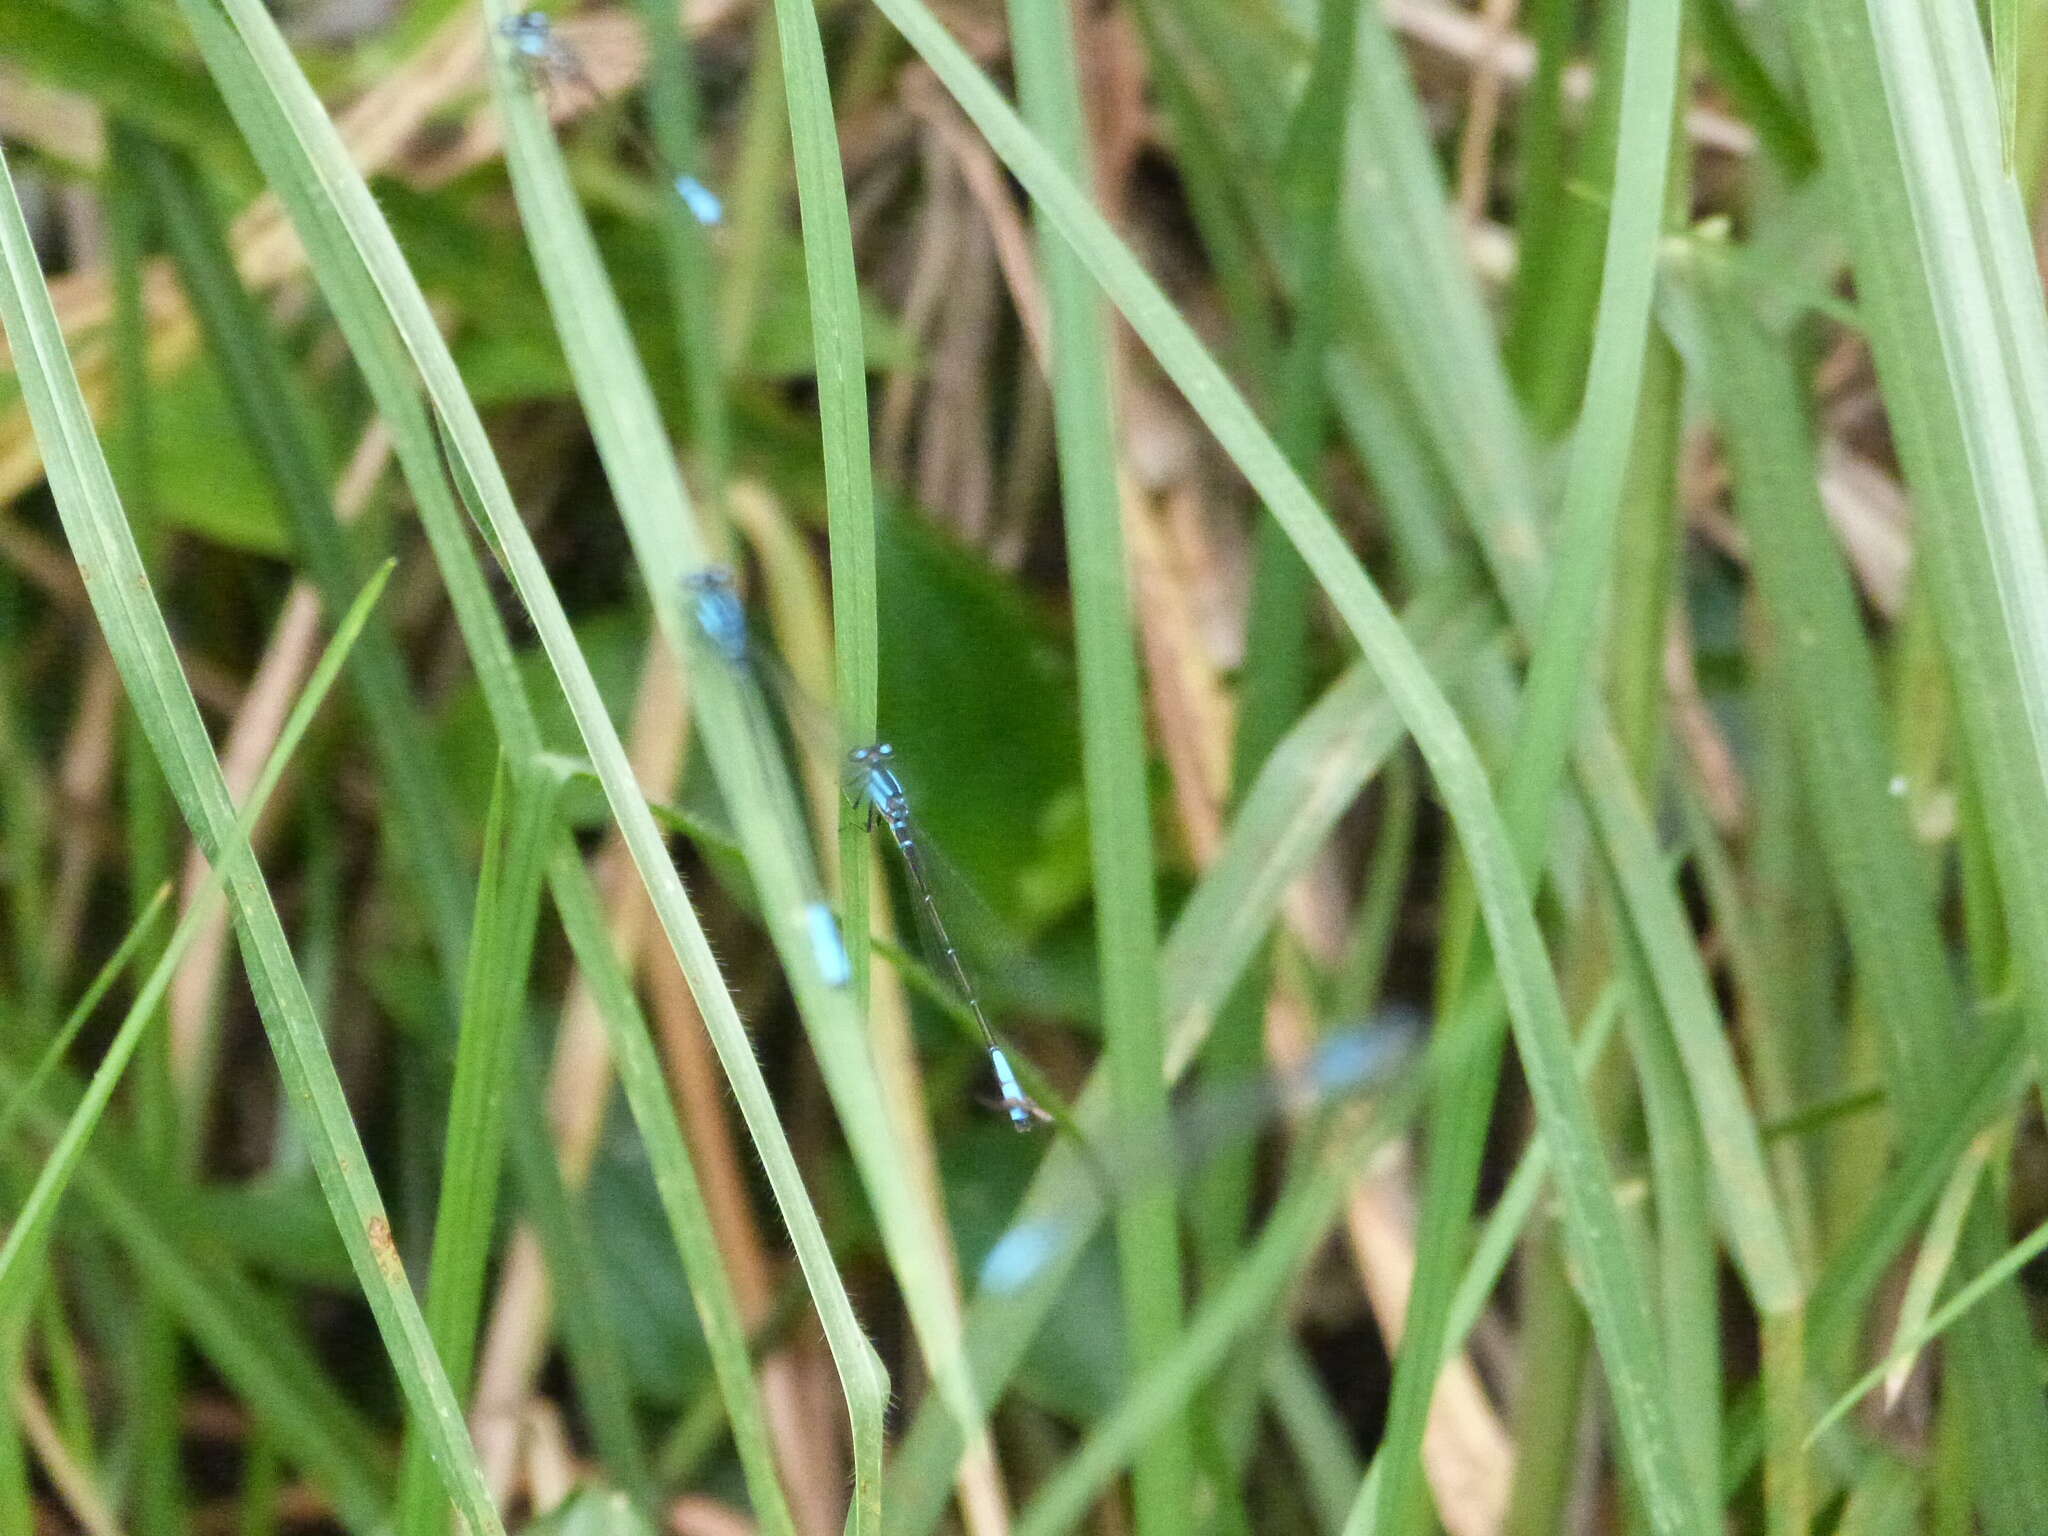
x=29 y=1231
x=1905 y=107
x=60 y=1043
x=518 y=833
x=302 y=154
x=1979 y=1286
x=1613 y=1287
x=277 y=425
x=148 y=663
x=1113 y=749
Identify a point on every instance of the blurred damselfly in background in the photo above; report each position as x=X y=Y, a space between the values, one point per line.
x=719 y=620
x=1348 y=1065
x=554 y=66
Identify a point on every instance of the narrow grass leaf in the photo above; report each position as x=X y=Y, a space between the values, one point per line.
x=1969 y=1295
x=1947 y=283
x=519 y=831
x=668 y=1158
x=1239 y=1305
x=82 y=1010
x=148 y=664
x=1113 y=757
x=1931 y=1263
x=277 y=426
x=1614 y=1292
x=29 y=1231
x=840 y=359
x=327 y=197
x=1880 y=880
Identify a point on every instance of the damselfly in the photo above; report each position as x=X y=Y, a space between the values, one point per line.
x=549 y=61
x=720 y=622
x=875 y=784
x=721 y=619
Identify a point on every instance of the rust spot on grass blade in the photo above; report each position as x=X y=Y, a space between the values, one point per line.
x=385 y=1250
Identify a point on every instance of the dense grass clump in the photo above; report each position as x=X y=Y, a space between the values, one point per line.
x=1459 y=605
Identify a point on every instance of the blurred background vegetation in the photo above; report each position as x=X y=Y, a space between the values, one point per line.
x=1676 y=372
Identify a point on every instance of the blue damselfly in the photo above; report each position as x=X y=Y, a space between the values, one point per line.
x=549 y=61
x=876 y=785
x=721 y=619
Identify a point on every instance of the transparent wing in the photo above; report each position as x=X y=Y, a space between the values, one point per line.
x=1347 y=1066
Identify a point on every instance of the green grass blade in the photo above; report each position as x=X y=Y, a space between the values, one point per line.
x=1781 y=129
x=1548 y=721
x=668 y=1156
x=673 y=111
x=305 y=160
x=1615 y=1298
x=60 y=1042
x=1277 y=630
x=519 y=831
x=591 y=1331
x=146 y=89
x=1113 y=756
x=243 y=1335
x=1878 y=875
x=1239 y=1305
x=2006 y=37
x=1319 y=1439
x=840 y=358
x=29 y=1231
x=149 y=669
x=1979 y=1286
x=1984 y=1084
x=1906 y=110
x=277 y=426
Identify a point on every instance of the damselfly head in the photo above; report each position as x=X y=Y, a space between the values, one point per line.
x=711 y=578
x=529 y=33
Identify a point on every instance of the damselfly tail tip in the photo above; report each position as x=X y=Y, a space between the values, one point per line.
x=1025 y=1116
x=1024 y=1113
x=703 y=203
x=826 y=945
